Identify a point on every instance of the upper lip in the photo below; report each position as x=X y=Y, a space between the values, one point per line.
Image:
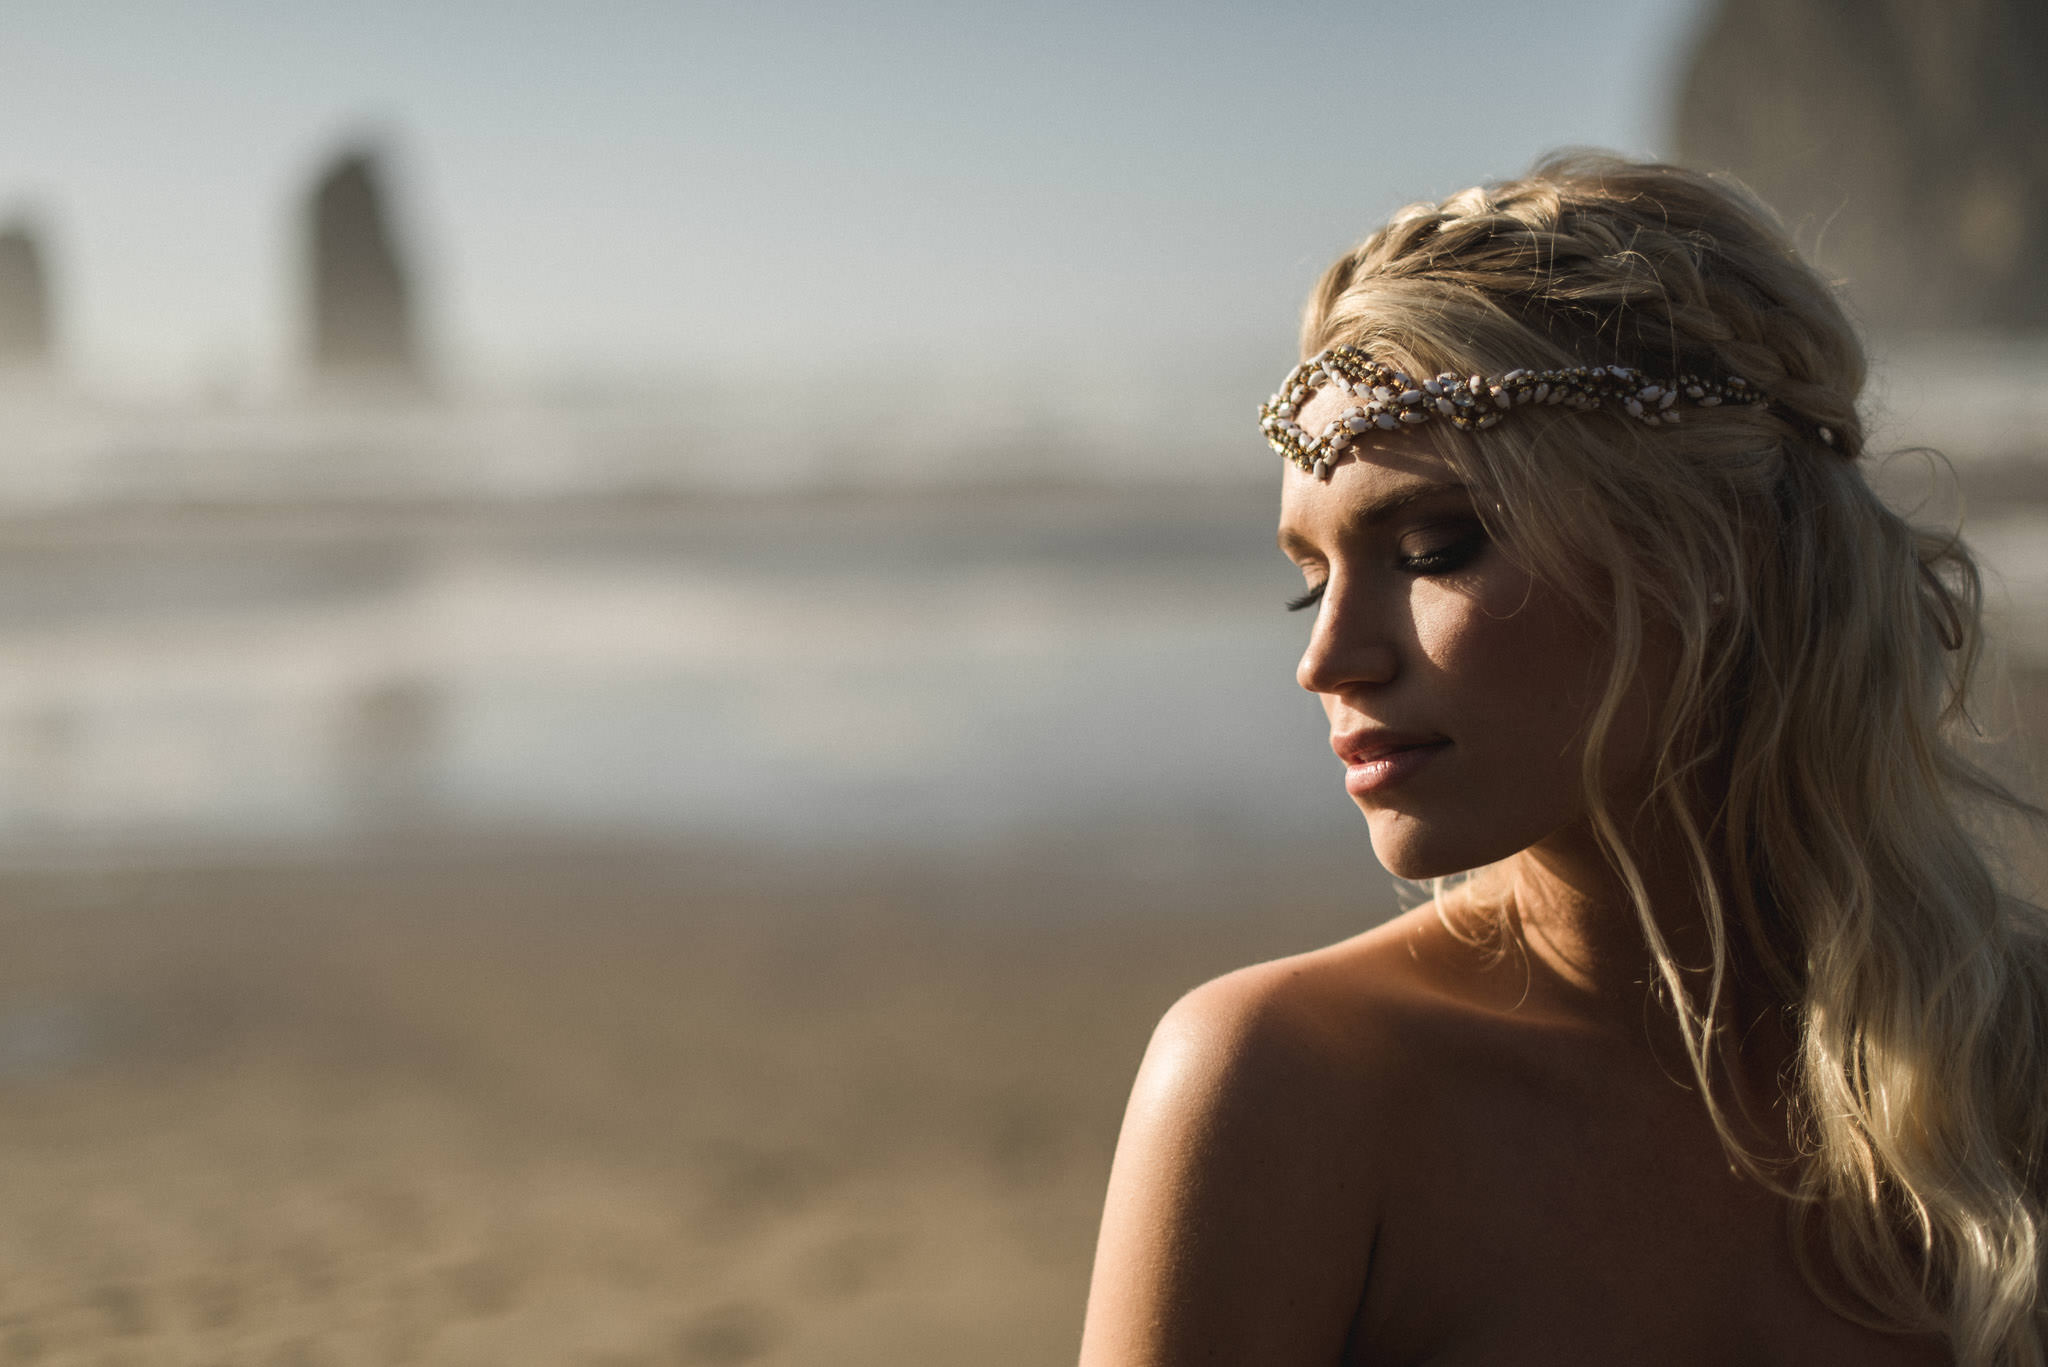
x=1363 y=747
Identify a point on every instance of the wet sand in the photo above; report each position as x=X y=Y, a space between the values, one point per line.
x=600 y=1107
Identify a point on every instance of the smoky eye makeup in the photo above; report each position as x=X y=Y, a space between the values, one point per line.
x=1443 y=547
x=1420 y=531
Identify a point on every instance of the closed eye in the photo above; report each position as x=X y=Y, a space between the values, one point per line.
x=1309 y=599
x=1449 y=557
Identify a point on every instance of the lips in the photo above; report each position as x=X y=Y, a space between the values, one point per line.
x=1363 y=747
x=1374 y=760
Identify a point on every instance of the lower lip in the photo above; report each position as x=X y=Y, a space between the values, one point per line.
x=1376 y=775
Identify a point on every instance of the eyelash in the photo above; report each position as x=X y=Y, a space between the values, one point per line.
x=1447 y=558
x=1444 y=560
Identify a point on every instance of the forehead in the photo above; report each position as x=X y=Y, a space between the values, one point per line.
x=1377 y=470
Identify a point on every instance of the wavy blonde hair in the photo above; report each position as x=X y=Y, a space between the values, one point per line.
x=1811 y=757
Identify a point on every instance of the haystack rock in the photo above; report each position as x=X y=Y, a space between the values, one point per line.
x=1905 y=141
x=363 y=315
x=24 y=300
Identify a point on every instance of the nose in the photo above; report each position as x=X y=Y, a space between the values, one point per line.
x=1346 y=649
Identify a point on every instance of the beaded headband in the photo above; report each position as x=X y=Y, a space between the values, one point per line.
x=1392 y=400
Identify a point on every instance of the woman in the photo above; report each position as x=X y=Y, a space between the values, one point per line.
x=1718 y=1042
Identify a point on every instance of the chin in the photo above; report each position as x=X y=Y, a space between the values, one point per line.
x=1418 y=850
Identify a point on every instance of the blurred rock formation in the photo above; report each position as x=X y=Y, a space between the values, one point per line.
x=363 y=319
x=24 y=299
x=1905 y=141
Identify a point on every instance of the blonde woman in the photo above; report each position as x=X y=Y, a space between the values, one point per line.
x=1719 y=1042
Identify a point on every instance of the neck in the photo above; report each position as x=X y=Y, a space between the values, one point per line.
x=1585 y=956
x=1575 y=917
x=1587 y=949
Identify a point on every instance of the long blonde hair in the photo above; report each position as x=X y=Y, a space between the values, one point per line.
x=1811 y=756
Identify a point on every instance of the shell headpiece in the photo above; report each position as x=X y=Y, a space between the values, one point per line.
x=1390 y=399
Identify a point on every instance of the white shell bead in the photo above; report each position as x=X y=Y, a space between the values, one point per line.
x=1387 y=399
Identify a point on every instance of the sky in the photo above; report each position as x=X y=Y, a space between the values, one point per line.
x=600 y=192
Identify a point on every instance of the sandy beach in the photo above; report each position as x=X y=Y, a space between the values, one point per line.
x=592 y=1106
x=515 y=1104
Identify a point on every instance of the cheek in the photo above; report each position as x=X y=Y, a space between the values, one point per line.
x=1512 y=675
x=1520 y=670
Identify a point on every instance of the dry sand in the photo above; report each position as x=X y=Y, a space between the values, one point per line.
x=587 y=1108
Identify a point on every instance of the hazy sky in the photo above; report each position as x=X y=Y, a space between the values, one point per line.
x=604 y=189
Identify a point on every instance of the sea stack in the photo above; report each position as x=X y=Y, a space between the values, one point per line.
x=24 y=300
x=1906 y=143
x=362 y=313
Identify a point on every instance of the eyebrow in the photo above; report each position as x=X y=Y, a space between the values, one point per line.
x=1377 y=511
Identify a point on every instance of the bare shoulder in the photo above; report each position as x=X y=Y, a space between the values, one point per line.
x=1244 y=1197
x=1285 y=1031
x=1394 y=965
